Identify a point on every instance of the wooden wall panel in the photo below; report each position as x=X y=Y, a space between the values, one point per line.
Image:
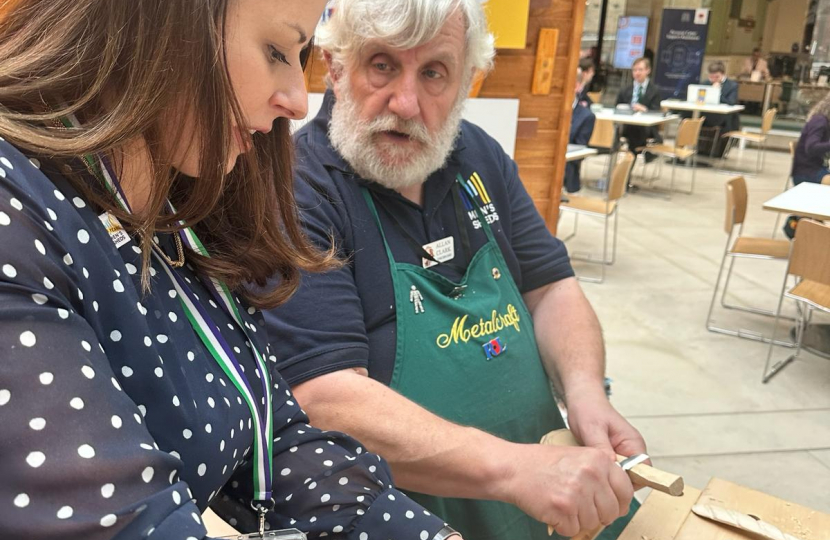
x=541 y=159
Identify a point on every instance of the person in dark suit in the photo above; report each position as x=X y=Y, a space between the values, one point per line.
x=723 y=122
x=586 y=66
x=728 y=96
x=643 y=96
x=582 y=127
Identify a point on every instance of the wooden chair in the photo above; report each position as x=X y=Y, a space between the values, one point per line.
x=596 y=97
x=602 y=138
x=744 y=247
x=810 y=264
x=685 y=147
x=787 y=185
x=604 y=208
x=758 y=138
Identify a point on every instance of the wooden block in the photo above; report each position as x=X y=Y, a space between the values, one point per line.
x=527 y=128
x=545 y=61
x=539 y=4
x=791 y=518
x=661 y=516
x=741 y=521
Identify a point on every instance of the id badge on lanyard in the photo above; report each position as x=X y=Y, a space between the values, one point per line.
x=283 y=534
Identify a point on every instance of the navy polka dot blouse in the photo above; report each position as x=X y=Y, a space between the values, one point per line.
x=117 y=422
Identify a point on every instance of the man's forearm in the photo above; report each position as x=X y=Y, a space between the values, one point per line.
x=427 y=453
x=569 y=337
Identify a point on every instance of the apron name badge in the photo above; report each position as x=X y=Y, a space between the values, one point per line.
x=442 y=250
x=116 y=231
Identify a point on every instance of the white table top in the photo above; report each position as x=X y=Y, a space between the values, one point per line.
x=720 y=108
x=579 y=151
x=805 y=199
x=636 y=119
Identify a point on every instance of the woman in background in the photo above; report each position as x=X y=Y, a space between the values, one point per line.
x=810 y=161
x=144 y=155
x=811 y=153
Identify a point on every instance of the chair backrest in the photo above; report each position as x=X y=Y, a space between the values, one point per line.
x=811 y=252
x=736 y=199
x=603 y=135
x=769 y=118
x=688 y=132
x=596 y=97
x=620 y=176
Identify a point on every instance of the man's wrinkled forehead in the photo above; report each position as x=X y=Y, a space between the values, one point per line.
x=448 y=45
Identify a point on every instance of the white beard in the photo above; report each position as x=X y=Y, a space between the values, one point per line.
x=390 y=165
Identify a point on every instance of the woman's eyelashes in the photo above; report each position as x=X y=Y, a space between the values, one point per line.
x=274 y=55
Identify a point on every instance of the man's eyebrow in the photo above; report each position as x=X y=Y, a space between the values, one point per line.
x=299 y=30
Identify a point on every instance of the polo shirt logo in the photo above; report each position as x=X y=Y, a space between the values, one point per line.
x=476 y=194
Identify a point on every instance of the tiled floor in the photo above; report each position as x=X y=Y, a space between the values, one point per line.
x=696 y=396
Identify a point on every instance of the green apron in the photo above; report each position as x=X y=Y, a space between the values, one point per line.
x=466 y=351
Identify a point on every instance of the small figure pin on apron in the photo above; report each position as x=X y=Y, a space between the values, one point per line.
x=417 y=298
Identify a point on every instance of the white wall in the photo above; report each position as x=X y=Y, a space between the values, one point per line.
x=785 y=24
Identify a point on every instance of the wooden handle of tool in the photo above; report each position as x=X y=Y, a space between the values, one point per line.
x=648 y=476
x=641 y=475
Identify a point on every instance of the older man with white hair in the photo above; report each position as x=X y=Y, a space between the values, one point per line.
x=437 y=341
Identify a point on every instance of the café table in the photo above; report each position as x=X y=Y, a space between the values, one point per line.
x=697 y=108
x=579 y=151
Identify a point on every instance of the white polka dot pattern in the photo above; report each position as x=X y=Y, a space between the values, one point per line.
x=113 y=397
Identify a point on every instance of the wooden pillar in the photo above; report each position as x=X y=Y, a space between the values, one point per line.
x=540 y=154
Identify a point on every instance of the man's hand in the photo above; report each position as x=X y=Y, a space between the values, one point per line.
x=637 y=107
x=571 y=489
x=596 y=423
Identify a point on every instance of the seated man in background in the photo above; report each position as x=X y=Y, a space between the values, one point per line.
x=582 y=127
x=643 y=97
x=438 y=340
x=754 y=63
x=728 y=96
x=588 y=70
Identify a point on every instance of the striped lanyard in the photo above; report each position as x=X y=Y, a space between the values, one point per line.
x=209 y=333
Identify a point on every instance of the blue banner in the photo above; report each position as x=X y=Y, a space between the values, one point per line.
x=631 y=41
x=680 y=52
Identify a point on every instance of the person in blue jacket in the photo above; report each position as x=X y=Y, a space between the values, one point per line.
x=728 y=96
x=810 y=163
x=582 y=127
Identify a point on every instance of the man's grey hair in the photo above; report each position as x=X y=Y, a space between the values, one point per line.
x=403 y=24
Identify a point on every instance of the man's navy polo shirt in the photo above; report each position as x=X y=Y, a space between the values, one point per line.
x=346 y=318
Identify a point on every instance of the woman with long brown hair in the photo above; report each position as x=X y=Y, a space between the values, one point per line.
x=145 y=177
